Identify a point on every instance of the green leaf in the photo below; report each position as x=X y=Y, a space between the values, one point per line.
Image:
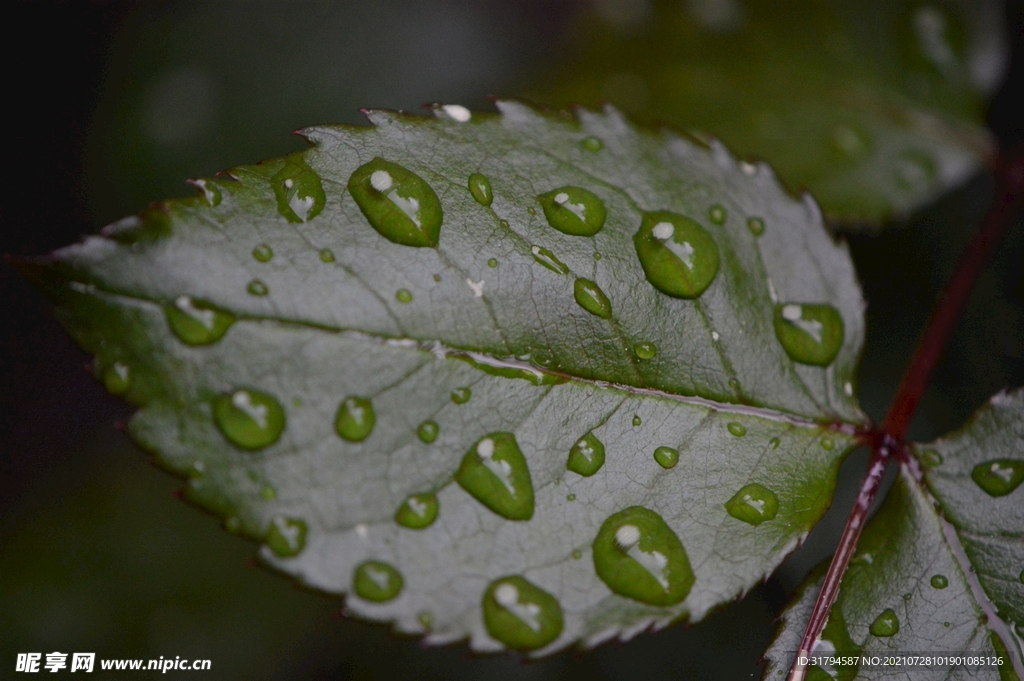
x=878 y=108
x=925 y=583
x=405 y=422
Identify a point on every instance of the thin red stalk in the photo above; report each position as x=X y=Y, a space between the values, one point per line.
x=1001 y=216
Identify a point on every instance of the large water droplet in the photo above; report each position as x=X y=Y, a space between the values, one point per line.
x=639 y=556
x=520 y=614
x=678 y=256
x=300 y=195
x=427 y=432
x=263 y=253
x=461 y=395
x=666 y=457
x=417 y=511
x=737 y=429
x=480 y=188
x=810 y=334
x=117 y=378
x=494 y=471
x=573 y=210
x=399 y=204
x=999 y=477
x=886 y=624
x=591 y=298
x=586 y=456
x=548 y=259
x=249 y=418
x=355 y=419
x=286 y=536
x=196 y=322
x=939 y=581
x=376 y=581
x=636 y=420
x=645 y=350
x=753 y=504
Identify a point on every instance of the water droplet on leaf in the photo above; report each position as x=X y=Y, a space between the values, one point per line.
x=376 y=581
x=210 y=191
x=249 y=418
x=679 y=257
x=931 y=459
x=886 y=624
x=520 y=614
x=480 y=188
x=326 y=255
x=195 y=322
x=717 y=214
x=636 y=420
x=286 y=536
x=263 y=253
x=591 y=298
x=828 y=443
x=756 y=226
x=355 y=419
x=493 y=262
x=666 y=457
x=810 y=334
x=461 y=395
x=644 y=350
x=495 y=473
x=999 y=477
x=573 y=210
x=592 y=143
x=300 y=194
x=637 y=555
x=753 y=504
x=939 y=581
x=586 y=456
x=417 y=511
x=257 y=288
x=398 y=203
x=117 y=378
x=546 y=258
x=403 y=295
x=737 y=429
x=428 y=431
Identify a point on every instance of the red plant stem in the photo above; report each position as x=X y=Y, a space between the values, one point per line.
x=888 y=440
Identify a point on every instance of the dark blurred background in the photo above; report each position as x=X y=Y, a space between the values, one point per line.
x=114 y=105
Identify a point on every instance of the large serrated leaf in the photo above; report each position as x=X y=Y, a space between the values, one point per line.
x=951 y=588
x=877 y=107
x=310 y=373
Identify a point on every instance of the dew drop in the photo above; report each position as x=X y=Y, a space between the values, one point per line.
x=531 y=210
x=403 y=295
x=326 y=255
x=886 y=624
x=211 y=192
x=591 y=298
x=597 y=256
x=520 y=614
x=495 y=473
x=397 y=202
x=828 y=444
x=636 y=420
x=437 y=278
x=645 y=350
x=286 y=536
x=428 y=431
x=717 y=214
x=637 y=555
x=195 y=322
x=461 y=395
x=257 y=288
x=577 y=554
x=548 y=259
x=504 y=224
x=249 y=418
x=493 y=262
x=300 y=194
x=774 y=443
x=573 y=210
x=939 y=581
x=376 y=581
x=666 y=457
x=753 y=504
x=592 y=144
x=586 y=456
x=417 y=511
x=810 y=334
x=425 y=619
x=117 y=378
x=355 y=419
x=480 y=188
x=756 y=226
x=930 y=459
x=678 y=256
x=737 y=429
x=999 y=477
x=263 y=253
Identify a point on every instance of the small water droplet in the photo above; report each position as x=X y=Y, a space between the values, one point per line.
x=907 y=597
x=425 y=619
x=915 y=170
x=737 y=429
x=117 y=378
x=637 y=555
x=939 y=581
x=428 y=431
x=493 y=262
x=573 y=210
x=591 y=298
x=300 y=194
x=263 y=253
x=286 y=536
x=495 y=473
x=249 y=418
x=886 y=624
x=586 y=456
x=636 y=420
x=398 y=203
x=810 y=334
x=756 y=226
x=931 y=459
x=774 y=443
x=666 y=457
x=644 y=350
x=209 y=190
x=717 y=214
x=461 y=395
x=437 y=278
x=715 y=336
x=268 y=492
x=531 y=210
x=520 y=614
x=196 y=322
x=376 y=581
x=548 y=259
x=734 y=384
x=355 y=419
x=417 y=511
x=326 y=255
x=504 y=224
x=848 y=389
x=945 y=624
x=571 y=497
x=999 y=477
x=577 y=554
x=828 y=443
x=597 y=256
x=678 y=256
x=257 y=288
x=403 y=295
x=480 y=188
x=753 y=504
